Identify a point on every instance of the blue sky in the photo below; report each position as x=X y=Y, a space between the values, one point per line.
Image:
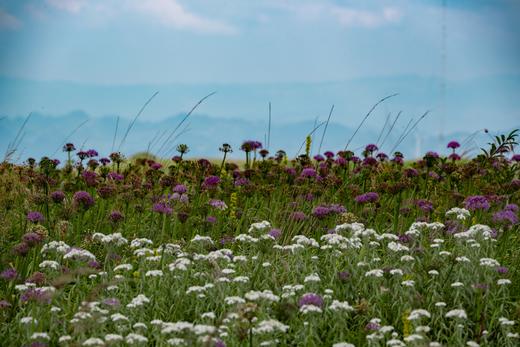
x=200 y=41
x=106 y=57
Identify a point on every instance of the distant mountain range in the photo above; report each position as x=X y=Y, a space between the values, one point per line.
x=45 y=135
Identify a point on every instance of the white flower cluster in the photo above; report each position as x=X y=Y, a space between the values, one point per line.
x=115 y=239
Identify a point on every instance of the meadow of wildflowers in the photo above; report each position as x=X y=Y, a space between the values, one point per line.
x=334 y=249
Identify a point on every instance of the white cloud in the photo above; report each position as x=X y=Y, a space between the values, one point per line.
x=172 y=13
x=72 y=6
x=362 y=18
x=343 y=15
x=8 y=21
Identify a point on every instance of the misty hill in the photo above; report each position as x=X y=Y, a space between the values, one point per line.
x=45 y=135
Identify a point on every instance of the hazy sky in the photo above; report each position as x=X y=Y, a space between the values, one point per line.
x=108 y=56
x=199 y=41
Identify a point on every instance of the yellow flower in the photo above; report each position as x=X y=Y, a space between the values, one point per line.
x=136 y=274
x=407 y=326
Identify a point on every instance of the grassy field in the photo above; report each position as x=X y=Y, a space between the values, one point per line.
x=335 y=249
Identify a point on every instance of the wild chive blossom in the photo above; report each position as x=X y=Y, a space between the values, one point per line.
x=275 y=233
x=211 y=182
x=516 y=157
x=511 y=207
x=83 y=199
x=180 y=189
x=311 y=299
x=116 y=216
x=115 y=176
x=476 y=202
x=69 y=147
x=308 y=173
x=9 y=274
x=58 y=196
x=453 y=145
x=35 y=217
x=320 y=212
x=367 y=198
x=319 y=158
x=32 y=238
x=371 y=148
x=425 y=205
x=162 y=208
x=89 y=177
x=505 y=217
x=91 y=153
x=218 y=204
x=298 y=216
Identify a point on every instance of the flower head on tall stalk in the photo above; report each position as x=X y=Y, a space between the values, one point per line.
x=182 y=149
x=225 y=148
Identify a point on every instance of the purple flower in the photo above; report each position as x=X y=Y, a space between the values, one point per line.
x=69 y=147
x=382 y=156
x=276 y=233
x=337 y=208
x=156 y=166
x=425 y=205
x=21 y=249
x=320 y=212
x=369 y=161
x=58 y=196
x=32 y=238
x=453 y=144
x=116 y=216
x=516 y=157
x=89 y=177
x=180 y=189
x=37 y=278
x=411 y=172
x=308 y=172
x=371 y=148
x=502 y=270
x=298 y=216
x=211 y=182
x=104 y=161
x=367 y=197
x=340 y=161
x=35 y=217
x=372 y=326
x=505 y=217
x=511 y=207
x=39 y=295
x=311 y=299
x=241 y=181
x=218 y=204
x=9 y=274
x=4 y=304
x=329 y=154
x=432 y=155
x=250 y=145
x=83 y=199
x=211 y=219
x=162 y=208
x=112 y=302
x=319 y=157
x=290 y=171
x=219 y=343
x=476 y=202
x=92 y=153
x=115 y=176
